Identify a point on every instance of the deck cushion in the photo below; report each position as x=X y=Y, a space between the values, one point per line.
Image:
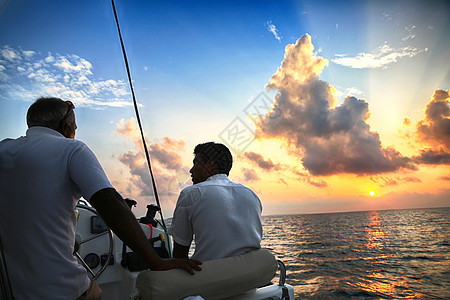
x=218 y=279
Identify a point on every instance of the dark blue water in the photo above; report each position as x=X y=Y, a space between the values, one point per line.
x=397 y=254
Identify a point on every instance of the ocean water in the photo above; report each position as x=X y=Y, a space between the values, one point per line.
x=395 y=254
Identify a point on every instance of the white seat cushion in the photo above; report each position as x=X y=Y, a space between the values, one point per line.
x=218 y=279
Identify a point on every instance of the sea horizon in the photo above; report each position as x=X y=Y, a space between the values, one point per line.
x=349 y=211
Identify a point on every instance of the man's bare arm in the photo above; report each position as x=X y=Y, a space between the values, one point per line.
x=118 y=216
x=180 y=251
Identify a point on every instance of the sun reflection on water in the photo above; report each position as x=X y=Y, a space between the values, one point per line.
x=378 y=283
x=375 y=232
x=399 y=254
x=375 y=281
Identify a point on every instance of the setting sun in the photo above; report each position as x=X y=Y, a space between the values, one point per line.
x=372 y=193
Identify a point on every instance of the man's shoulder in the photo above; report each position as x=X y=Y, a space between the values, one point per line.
x=226 y=182
x=6 y=141
x=51 y=136
x=198 y=189
x=190 y=188
x=213 y=183
x=203 y=185
x=71 y=145
x=219 y=180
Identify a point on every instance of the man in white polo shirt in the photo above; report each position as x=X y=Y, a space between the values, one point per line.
x=42 y=177
x=223 y=216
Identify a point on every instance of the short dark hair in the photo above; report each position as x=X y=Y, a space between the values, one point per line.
x=49 y=112
x=218 y=153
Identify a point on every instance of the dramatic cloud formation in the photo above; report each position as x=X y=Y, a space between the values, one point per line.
x=166 y=162
x=330 y=140
x=68 y=77
x=259 y=160
x=271 y=28
x=383 y=56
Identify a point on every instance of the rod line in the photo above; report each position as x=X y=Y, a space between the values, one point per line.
x=137 y=112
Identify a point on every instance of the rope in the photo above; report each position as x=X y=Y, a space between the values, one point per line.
x=137 y=111
x=167 y=235
x=4 y=7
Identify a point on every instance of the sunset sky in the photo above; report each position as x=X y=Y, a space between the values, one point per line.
x=327 y=106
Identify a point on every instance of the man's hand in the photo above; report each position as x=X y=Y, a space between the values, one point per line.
x=118 y=216
x=188 y=264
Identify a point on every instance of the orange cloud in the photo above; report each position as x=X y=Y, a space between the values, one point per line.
x=259 y=160
x=167 y=153
x=433 y=157
x=396 y=180
x=434 y=129
x=304 y=177
x=165 y=157
x=129 y=130
x=249 y=175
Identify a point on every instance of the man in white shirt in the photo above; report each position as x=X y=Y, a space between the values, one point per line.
x=223 y=217
x=42 y=177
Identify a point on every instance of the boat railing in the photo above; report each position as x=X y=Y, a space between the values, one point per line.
x=285 y=291
x=282 y=267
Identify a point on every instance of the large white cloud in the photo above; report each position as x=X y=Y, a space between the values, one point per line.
x=329 y=139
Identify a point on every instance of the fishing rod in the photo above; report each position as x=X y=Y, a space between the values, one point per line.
x=4 y=7
x=137 y=113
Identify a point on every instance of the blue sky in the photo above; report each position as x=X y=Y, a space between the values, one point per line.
x=196 y=66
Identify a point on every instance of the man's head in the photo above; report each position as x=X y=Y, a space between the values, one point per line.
x=210 y=159
x=53 y=113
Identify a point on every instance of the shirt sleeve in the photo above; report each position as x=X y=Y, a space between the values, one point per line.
x=86 y=171
x=181 y=227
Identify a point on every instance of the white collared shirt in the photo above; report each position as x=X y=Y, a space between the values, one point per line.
x=42 y=176
x=223 y=216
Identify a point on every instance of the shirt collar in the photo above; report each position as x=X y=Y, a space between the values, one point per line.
x=217 y=177
x=41 y=130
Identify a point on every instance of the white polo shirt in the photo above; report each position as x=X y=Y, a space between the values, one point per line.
x=42 y=177
x=224 y=217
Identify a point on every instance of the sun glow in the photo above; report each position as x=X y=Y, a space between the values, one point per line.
x=372 y=193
